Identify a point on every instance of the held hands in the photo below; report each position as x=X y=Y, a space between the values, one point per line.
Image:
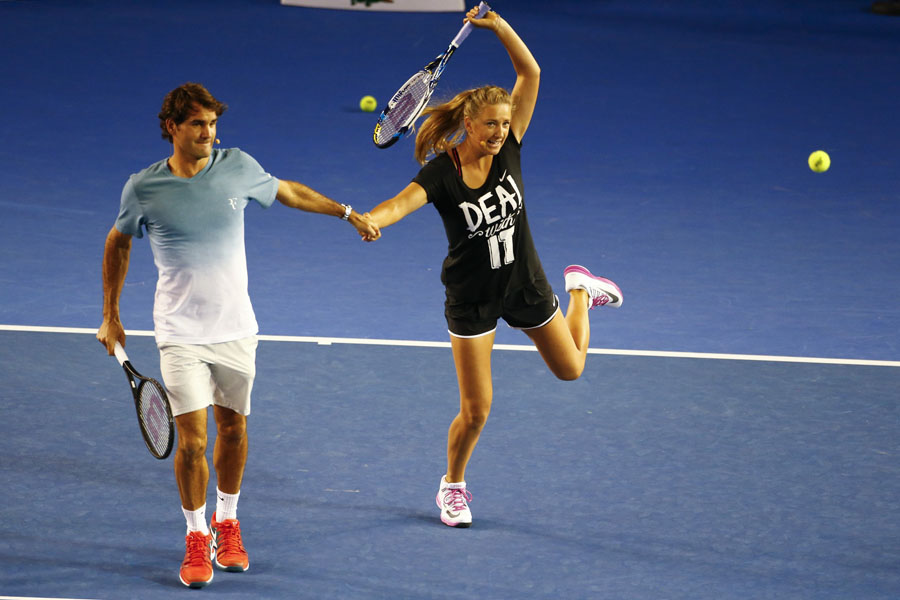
x=366 y=227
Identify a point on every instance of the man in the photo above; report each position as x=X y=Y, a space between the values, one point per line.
x=191 y=205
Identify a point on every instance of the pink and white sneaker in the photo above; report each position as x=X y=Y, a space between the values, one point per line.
x=452 y=499
x=602 y=292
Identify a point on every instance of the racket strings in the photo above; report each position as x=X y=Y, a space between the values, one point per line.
x=153 y=413
x=405 y=108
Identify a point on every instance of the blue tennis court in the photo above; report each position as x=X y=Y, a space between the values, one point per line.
x=735 y=433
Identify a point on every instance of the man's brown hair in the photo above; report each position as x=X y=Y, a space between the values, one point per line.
x=181 y=102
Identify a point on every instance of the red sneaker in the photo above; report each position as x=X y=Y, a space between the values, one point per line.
x=230 y=553
x=196 y=570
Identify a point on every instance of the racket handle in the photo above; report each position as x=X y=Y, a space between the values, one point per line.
x=120 y=353
x=467 y=28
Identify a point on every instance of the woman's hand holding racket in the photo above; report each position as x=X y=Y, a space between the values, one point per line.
x=407 y=104
x=490 y=20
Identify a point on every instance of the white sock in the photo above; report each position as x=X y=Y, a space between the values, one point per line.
x=226 y=505
x=196 y=520
x=459 y=485
x=590 y=300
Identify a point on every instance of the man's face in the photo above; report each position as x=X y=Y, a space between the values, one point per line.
x=194 y=137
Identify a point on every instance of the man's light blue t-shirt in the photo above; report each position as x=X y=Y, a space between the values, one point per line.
x=196 y=231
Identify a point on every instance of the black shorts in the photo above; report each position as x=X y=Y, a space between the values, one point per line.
x=525 y=308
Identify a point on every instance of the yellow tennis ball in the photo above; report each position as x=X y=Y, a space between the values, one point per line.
x=368 y=103
x=819 y=161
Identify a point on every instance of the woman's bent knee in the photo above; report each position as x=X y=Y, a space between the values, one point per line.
x=569 y=372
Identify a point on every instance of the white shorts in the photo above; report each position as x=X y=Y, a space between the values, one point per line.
x=197 y=376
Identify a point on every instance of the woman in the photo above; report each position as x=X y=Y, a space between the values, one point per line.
x=492 y=269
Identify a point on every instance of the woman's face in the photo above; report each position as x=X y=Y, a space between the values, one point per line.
x=489 y=128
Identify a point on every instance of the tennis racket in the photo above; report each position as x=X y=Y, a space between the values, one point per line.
x=152 y=405
x=407 y=104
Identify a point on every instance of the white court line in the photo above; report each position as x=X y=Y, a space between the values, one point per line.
x=326 y=341
x=35 y=598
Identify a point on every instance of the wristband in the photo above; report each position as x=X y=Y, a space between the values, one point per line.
x=347 y=210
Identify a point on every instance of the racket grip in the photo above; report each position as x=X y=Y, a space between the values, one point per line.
x=120 y=353
x=483 y=7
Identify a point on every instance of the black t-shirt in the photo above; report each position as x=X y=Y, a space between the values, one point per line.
x=490 y=250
